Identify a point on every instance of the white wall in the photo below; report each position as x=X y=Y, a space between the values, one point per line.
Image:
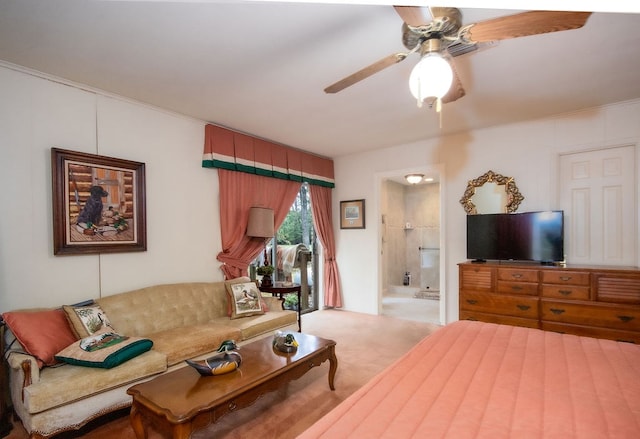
x=527 y=151
x=183 y=235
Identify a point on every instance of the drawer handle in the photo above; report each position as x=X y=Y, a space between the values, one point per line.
x=626 y=318
x=565 y=278
x=556 y=310
x=472 y=302
x=516 y=287
x=232 y=406
x=516 y=275
x=565 y=292
x=523 y=307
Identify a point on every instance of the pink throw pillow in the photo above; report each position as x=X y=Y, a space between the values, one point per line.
x=41 y=333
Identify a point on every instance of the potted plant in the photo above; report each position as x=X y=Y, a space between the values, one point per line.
x=265 y=271
x=291 y=302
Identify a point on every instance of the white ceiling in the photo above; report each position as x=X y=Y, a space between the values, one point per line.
x=261 y=67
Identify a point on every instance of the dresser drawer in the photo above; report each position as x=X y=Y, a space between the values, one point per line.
x=476 y=277
x=524 y=306
x=566 y=292
x=592 y=331
x=619 y=288
x=517 y=275
x=590 y=314
x=530 y=289
x=500 y=319
x=565 y=277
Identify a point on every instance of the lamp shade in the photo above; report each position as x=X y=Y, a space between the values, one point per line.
x=431 y=77
x=260 y=223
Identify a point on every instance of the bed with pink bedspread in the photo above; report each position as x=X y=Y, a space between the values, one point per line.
x=482 y=380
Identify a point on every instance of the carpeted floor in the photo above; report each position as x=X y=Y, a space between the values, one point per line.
x=408 y=307
x=366 y=344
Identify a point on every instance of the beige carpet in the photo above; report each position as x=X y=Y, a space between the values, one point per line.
x=408 y=307
x=366 y=344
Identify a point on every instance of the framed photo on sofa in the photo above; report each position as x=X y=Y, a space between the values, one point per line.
x=352 y=214
x=98 y=204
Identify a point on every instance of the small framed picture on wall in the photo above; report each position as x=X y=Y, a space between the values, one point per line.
x=352 y=214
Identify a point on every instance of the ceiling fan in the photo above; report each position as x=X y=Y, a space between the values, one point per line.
x=438 y=32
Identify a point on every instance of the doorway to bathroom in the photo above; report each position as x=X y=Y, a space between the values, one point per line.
x=410 y=247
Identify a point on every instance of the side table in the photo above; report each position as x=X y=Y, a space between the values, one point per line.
x=280 y=289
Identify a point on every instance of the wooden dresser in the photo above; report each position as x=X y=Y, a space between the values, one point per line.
x=601 y=302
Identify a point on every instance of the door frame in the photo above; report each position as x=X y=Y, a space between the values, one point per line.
x=380 y=178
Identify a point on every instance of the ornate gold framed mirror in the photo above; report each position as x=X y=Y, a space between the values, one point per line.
x=491 y=193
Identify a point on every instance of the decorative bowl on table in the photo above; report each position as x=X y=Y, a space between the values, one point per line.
x=284 y=342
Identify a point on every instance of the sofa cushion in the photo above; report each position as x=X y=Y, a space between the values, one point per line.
x=245 y=299
x=86 y=320
x=261 y=324
x=104 y=349
x=179 y=344
x=41 y=333
x=66 y=383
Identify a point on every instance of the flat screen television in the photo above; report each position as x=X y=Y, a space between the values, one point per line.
x=528 y=236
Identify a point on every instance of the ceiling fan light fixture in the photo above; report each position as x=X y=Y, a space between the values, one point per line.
x=414 y=178
x=431 y=77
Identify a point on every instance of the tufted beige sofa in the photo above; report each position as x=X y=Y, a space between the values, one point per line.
x=187 y=320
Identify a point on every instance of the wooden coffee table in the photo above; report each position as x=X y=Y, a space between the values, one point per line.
x=180 y=402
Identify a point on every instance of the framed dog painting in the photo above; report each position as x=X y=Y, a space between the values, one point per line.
x=98 y=204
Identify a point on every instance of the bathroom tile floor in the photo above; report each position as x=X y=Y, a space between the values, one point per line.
x=404 y=306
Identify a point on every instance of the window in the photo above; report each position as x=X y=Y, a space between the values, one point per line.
x=296 y=250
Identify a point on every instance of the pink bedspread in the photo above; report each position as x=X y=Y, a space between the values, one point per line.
x=482 y=380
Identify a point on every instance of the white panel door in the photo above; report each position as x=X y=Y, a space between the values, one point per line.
x=597 y=194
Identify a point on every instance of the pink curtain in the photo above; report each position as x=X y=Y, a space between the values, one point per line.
x=321 y=204
x=238 y=193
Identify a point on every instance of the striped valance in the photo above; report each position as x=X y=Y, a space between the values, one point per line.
x=235 y=151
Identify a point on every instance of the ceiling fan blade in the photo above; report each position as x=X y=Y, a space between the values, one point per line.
x=456 y=91
x=525 y=24
x=414 y=15
x=366 y=72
